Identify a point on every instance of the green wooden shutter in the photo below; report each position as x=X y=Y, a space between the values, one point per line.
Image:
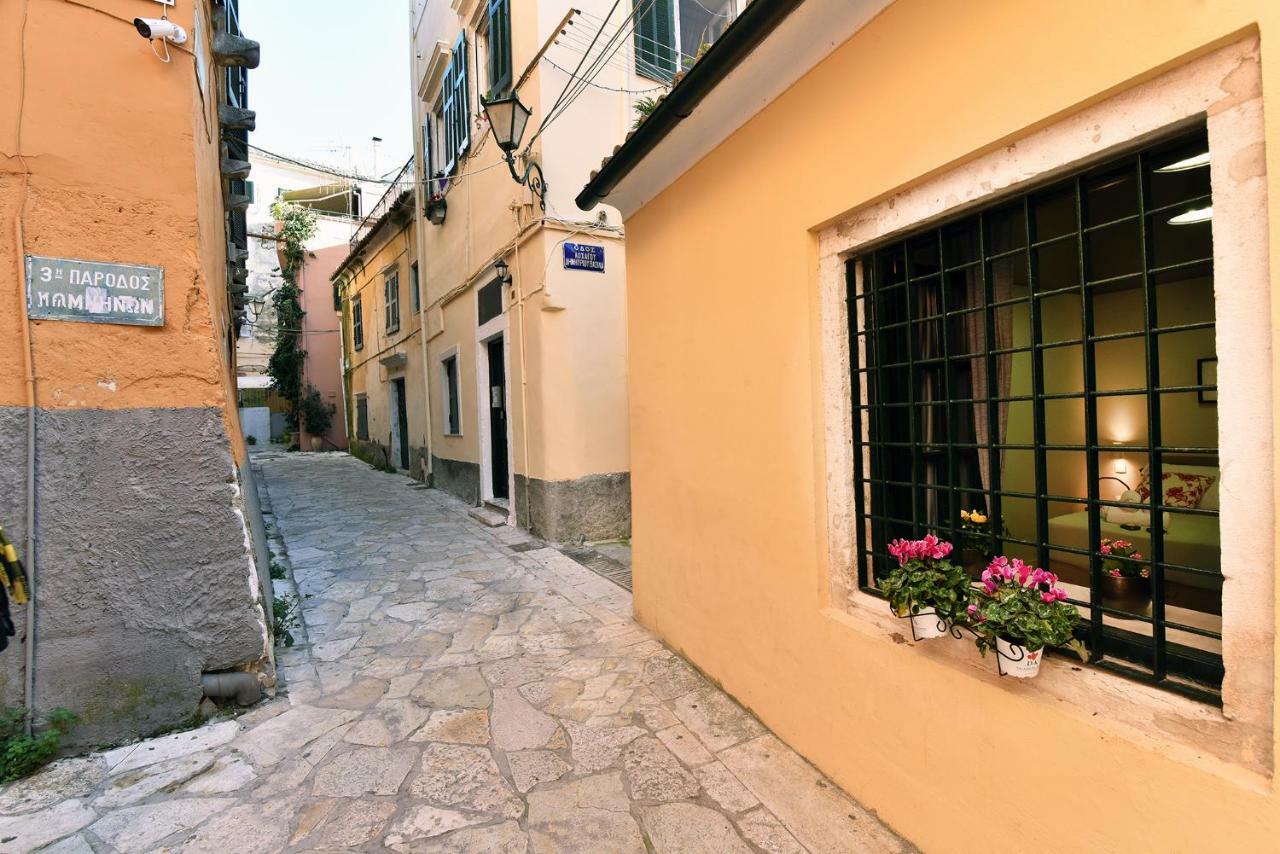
x=655 y=38
x=461 y=103
x=499 y=47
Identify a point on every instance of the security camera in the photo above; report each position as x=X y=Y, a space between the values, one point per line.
x=160 y=28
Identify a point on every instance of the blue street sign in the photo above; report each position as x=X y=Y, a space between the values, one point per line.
x=583 y=256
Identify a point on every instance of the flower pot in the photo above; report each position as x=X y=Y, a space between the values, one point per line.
x=317 y=443
x=926 y=624
x=1127 y=593
x=1014 y=660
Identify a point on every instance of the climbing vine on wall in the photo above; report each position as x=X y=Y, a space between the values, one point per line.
x=297 y=225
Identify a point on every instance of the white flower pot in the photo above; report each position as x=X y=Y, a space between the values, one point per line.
x=1015 y=661
x=927 y=624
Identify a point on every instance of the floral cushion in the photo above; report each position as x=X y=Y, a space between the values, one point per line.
x=1181 y=489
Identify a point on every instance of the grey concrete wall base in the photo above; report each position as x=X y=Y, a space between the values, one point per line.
x=144 y=578
x=596 y=507
x=457 y=477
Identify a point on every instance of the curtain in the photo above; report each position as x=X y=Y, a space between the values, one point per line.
x=975 y=339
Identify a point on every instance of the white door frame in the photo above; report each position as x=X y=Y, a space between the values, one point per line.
x=484 y=334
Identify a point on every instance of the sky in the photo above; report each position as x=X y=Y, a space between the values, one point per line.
x=334 y=74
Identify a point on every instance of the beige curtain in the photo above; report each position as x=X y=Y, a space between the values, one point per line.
x=975 y=333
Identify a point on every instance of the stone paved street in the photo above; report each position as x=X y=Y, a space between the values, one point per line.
x=457 y=689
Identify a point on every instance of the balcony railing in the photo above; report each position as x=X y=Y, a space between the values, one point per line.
x=402 y=182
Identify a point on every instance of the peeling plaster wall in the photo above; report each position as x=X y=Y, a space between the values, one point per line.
x=144 y=572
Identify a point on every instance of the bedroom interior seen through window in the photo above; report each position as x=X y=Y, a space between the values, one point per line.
x=1049 y=361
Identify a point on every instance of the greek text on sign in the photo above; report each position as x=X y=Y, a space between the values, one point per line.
x=94 y=291
x=583 y=256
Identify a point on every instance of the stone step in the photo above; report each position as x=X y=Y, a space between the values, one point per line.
x=488 y=517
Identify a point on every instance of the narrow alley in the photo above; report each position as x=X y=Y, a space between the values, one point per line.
x=454 y=688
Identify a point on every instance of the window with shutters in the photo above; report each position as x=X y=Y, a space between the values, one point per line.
x=670 y=34
x=362 y=417
x=415 y=295
x=391 y=290
x=455 y=107
x=357 y=323
x=498 y=36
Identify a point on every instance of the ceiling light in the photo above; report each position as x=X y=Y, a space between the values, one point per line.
x=1195 y=162
x=1193 y=216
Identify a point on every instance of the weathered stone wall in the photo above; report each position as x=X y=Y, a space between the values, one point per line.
x=144 y=575
x=596 y=507
x=458 y=477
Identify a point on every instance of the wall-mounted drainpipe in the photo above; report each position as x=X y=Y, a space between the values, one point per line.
x=240 y=684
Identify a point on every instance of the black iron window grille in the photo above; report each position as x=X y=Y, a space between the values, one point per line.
x=1042 y=361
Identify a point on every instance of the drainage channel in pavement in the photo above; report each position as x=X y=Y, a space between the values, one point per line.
x=601 y=564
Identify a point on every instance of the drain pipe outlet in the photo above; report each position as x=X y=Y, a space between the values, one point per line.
x=241 y=685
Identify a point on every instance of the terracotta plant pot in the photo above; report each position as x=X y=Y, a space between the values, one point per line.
x=1127 y=593
x=926 y=624
x=317 y=443
x=1014 y=660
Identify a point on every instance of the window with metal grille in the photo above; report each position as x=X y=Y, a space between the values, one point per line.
x=1049 y=361
x=391 y=299
x=499 y=44
x=452 y=415
x=362 y=417
x=456 y=107
x=357 y=322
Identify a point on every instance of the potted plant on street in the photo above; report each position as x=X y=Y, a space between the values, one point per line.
x=1019 y=610
x=317 y=416
x=1126 y=583
x=926 y=587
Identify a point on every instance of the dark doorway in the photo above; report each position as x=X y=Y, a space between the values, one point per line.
x=498 y=418
x=402 y=422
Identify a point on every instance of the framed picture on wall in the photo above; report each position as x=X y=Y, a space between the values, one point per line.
x=1207 y=374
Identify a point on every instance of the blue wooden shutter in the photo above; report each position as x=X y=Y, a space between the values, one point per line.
x=448 y=128
x=655 y=38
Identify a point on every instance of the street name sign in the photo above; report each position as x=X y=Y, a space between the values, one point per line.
x=94 y=291
x=584 y=256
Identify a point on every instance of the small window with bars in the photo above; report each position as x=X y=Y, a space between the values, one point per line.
x=452 y=413
x=357 y=322
x=1050 y=361
x=391 y=300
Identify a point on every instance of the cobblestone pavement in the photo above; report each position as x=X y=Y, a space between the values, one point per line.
x=452 y=694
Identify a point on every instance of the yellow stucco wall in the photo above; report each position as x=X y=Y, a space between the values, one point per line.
x=727 y=430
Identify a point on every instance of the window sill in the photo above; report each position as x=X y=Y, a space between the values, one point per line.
x=1177 y=727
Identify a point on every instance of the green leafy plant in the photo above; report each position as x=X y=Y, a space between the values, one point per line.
x=285 y=618
x=317 y=416
x=251 y=439
x=22 y=754
x=1025 y=606
x=645 y=107
x=924 y=579
x=276 y=570
x=296 y=226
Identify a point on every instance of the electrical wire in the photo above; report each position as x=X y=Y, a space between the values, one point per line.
x=579 y=85
x=573 y=74
x=595 y=85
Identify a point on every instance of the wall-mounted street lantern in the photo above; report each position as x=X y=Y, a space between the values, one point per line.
x=504 y=271
x=507 y=119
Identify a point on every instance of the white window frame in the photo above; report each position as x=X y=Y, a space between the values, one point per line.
x=1186 y=94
